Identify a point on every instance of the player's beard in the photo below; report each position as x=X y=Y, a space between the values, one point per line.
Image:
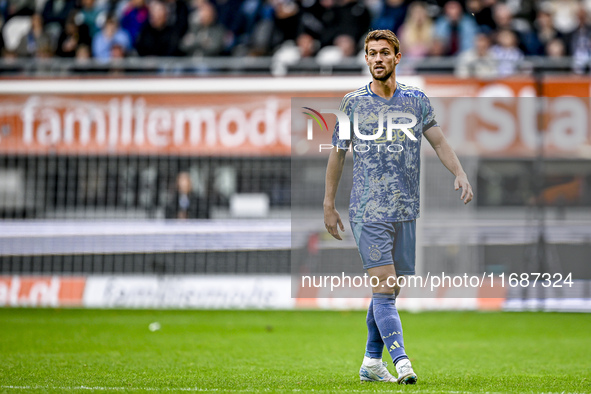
x=384 y=77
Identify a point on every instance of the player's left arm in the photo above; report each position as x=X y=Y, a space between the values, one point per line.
x=450 y=160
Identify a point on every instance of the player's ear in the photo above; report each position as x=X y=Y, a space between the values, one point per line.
x=397 y=58
x=366 y=61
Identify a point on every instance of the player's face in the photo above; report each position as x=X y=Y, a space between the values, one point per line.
x=381 y=59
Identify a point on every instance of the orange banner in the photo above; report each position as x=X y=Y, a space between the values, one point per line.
x=53 y=291
x=507 y=118
x=208 y=124
x=242 y=123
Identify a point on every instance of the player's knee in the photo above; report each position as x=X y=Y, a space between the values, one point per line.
x=388 y=285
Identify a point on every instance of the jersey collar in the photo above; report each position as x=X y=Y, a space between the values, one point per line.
x=388 y=101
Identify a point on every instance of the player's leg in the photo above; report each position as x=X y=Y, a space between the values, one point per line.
x=388 y=320
x=376 y=242
x=403 y=254
x=392 y=251
x=374 y=346
x=372 y=368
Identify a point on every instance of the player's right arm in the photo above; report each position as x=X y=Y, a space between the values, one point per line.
x=334 y=170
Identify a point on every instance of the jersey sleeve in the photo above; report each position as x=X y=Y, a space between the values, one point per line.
x=346 y=105
x=428 y=113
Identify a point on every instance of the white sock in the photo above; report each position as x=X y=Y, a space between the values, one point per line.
x=371 y=361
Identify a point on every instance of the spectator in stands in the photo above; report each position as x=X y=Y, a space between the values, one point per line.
x=56 y=12
x=44 y=51
x=503 y=17
x=392 y=15
x=525 y=11
x=564 y=13
x=92 y=15
x=281 y=26
x=259 y=27
x=206 y=35
x=231 y=12
x=329 y=19
x=578 y=38
x=438 y=48
x=118 y=51
x=71 y=38
x=178 y=16
x=311 y=19
x=346 y=44
x=343 y=47
x=10 y=8
x=36 y=37
x=157 y=38
x=555 y=49
x=83 y=55
x=506 y=53
x=307 y=45
x=344 y=17
x=4 y=12
x=184 y=203
x=455 y=29
x=544 y=33
x=353 y=19
x=579 y=41
x=111 y=34
x=249 y=29
x=416 y=35
x=9 y=56
x=477 y=62
x=524 y=34
x=134 y=17
x=285 y=22
x=83 y=61
x=483 y=14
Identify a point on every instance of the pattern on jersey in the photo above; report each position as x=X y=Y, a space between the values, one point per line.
x=386 y=172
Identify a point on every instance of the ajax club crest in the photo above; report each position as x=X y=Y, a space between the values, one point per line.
x=374 y=253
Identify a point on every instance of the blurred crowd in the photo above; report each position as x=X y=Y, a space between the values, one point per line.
x=477 y=31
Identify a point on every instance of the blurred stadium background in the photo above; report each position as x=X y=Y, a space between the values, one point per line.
x=145 y=149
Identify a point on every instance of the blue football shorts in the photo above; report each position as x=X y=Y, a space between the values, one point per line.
x=387 y=243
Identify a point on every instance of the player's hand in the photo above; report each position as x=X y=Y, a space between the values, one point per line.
x=332 y=219
x=462 y=182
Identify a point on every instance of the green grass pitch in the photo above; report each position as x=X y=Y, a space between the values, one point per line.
x=45 y=350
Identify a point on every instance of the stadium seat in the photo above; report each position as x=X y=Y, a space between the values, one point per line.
x=329 y=56
x=285 y=56
x=252 y=205
x=14 y=30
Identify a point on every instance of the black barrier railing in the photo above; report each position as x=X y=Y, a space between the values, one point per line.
x=133 y=187
x=180 y=66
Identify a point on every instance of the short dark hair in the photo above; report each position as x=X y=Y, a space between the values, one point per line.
x=376 y=35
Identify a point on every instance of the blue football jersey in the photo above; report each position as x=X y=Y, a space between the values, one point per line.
x=386 y=170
